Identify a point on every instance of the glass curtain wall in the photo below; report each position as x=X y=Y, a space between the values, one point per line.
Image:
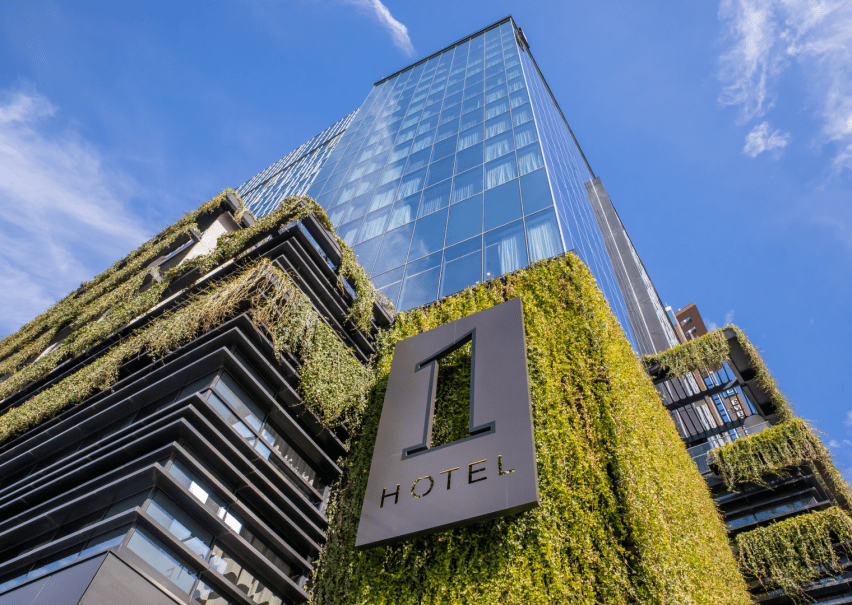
x=292 y=174
x=568 y=174
x=439 y=181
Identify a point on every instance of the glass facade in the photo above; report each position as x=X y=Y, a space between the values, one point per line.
x=292 y=174
x=439 y=182
x=456 y=170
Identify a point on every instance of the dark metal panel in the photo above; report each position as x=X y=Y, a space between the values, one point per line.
x=495 y=468
x=118 y=583
x=64 y=587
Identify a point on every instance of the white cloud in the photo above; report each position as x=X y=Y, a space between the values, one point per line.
x=762 y=138
x=398 y=31
x=767 y=37
x=63 y=217
x=833 y=443
x=712 y=326
x=848 y=421
x=729 y=317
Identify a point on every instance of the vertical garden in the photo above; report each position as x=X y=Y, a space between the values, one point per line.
x=624 y=517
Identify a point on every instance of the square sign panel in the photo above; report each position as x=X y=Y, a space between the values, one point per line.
x=414 y=488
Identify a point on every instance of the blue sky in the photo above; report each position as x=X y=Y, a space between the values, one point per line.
x=722 y=131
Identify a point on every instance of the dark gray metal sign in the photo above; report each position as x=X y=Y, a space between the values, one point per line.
x=415 y=489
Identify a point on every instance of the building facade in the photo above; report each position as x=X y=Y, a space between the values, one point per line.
x=194 y=425
x=461 y=168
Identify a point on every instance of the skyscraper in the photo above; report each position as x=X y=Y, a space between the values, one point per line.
x=461 y=168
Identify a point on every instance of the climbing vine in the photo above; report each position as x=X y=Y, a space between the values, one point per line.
x=709 y=352
x=795 y=551
x=113 y=299
x=333 y=383
x=769 y=453
x=624 y=516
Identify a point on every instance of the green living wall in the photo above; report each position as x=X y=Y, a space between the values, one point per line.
x=624 y=518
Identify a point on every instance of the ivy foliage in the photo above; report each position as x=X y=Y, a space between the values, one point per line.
x=624 y=515
x=333 y=383
x=795 y=551
x=771 y=452
x=113 y=299
x=709 y=352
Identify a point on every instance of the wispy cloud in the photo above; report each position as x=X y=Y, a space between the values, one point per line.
x=763 y=138
x=729 y=317
x=833 y=443
x=766 y=37
x=398 y=31
x=63 y=217
x=848 y=421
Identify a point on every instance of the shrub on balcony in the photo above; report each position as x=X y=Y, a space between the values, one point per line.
x=795 y=551
x=769 y=453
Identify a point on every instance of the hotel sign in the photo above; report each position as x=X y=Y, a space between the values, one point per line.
x=414 y=488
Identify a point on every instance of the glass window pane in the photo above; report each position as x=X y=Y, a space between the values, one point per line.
x=535 y=191
x=377 y=162
x=104 y=541
x=162 y=559
x=391 y=292
x=472 y=103
x=496 y=93
x=470 y=157
x=399 y=152
x=374 y=224
x=505 y=250
x=384 y=196
x=389 y=277
x=365 y=253
x=349 y=231
x=208 y=595
x=394 y=248
x=499 y=145
x=502 y=205
x=406 y=134
x=500 y=170
x=495 y=80
x=452 y=99
x=447 y=130
x=519 y=97
x=428 y=235
x=404 y=210
x=358 y=207
x=444 y=148
x=440 y=170
x=455 y=90
x=526 y=134
x=467 y=184
x=435 y=198
x=465 y=220
x=197 y=488
x=411 y=183
x=416 y=161
x=419 y=289
x=424 y=141
x=393 y=171
x=239 y=400
x=529 y=158
x=543 y=235
x=423 y=264
x=450 y=114
x=462 y=267
x=178 y=523
x=522 y=114
x=494 y=109
x=497 y=125
x=471 y=119
x=469 y=137
x=245 y=579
